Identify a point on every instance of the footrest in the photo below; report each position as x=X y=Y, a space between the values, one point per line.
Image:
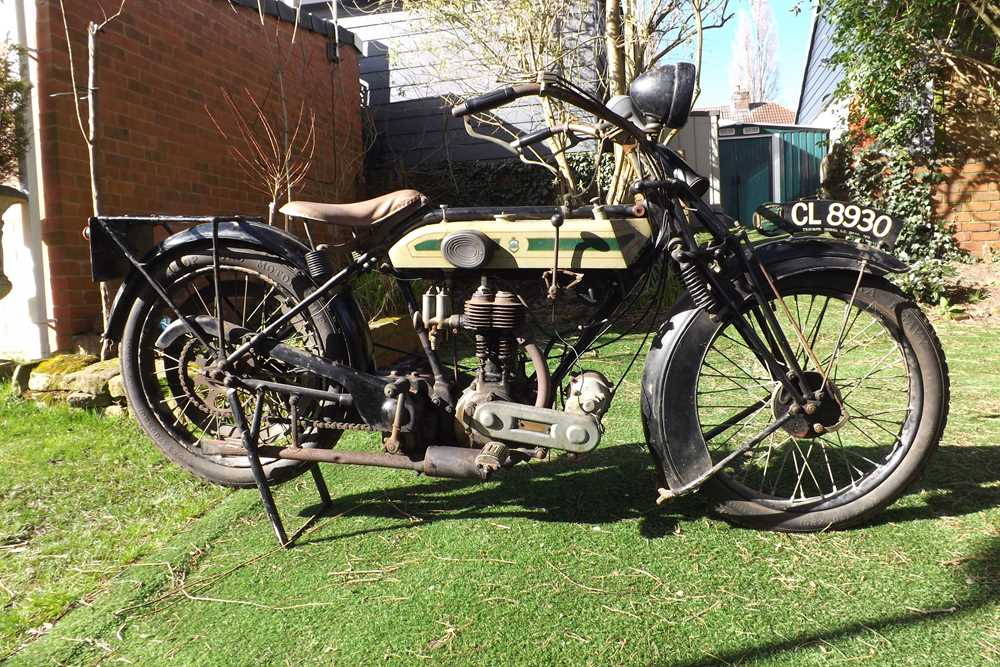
x=492 y=457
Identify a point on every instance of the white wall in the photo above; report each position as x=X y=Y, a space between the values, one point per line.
x=24 y=330
x=698 y=143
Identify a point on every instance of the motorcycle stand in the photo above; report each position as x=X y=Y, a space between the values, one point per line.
x=250 y=438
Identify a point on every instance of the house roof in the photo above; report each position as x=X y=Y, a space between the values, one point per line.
x=820 y=78
x=307 y=21
x=763 y=113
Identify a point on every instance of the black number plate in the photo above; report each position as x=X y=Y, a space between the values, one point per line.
x=824 y=215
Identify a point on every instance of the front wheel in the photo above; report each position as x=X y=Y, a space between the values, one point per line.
x=880 y=369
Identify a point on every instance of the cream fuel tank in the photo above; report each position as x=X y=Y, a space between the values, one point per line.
x=592 y=238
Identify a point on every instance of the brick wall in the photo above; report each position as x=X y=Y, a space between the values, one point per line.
x=160 y=64
x=969 y=199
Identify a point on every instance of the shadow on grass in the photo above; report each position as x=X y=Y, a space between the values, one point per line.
x=616 y=484
x=983 y=570
x=607 y=486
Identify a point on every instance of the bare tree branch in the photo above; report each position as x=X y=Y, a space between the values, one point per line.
x=72 y=75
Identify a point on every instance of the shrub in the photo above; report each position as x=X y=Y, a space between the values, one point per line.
x=13 y=96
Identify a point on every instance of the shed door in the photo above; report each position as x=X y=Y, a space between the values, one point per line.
x=745 y=169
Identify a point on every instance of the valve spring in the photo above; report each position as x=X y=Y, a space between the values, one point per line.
x=697 y=287
x=506 y=348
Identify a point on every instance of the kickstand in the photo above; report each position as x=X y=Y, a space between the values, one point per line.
x=250 y=437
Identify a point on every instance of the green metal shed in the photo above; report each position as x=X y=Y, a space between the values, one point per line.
x=762 y=163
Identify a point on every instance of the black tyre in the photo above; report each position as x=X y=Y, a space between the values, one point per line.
x=884 y=378
x=178 y=407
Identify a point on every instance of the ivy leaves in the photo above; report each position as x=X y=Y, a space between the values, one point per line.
x=894 y=56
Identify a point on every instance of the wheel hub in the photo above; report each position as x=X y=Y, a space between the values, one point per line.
x=815 y=418
x=208 y=396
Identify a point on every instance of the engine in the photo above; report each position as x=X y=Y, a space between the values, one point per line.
x=494 y=317
x=500 y=404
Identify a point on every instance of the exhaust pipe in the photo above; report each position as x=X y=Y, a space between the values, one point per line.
x=450 y=462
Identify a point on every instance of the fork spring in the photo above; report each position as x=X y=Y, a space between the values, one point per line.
x=697 y=287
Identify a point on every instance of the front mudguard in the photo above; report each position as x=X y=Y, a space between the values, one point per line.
x=343 y=307
x=679 y=460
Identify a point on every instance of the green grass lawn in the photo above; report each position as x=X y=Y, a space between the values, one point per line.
x=562 y=562
x=82 y=498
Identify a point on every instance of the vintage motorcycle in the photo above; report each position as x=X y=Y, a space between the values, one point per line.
x=791 y=378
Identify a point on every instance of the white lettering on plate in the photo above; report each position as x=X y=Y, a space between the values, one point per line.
x=801 y=222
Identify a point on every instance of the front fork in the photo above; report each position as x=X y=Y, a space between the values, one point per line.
x=724 y=294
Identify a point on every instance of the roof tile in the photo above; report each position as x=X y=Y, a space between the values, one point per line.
x=765 y=113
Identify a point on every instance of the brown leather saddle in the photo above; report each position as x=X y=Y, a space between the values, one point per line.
x=380 y=211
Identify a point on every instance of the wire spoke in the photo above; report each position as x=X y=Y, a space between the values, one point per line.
x=857 y=352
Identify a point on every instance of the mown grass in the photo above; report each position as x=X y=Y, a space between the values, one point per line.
x=80 y=498
x=569 y=562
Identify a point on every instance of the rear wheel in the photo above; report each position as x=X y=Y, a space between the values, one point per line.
x=881 y=370
x=186 y=414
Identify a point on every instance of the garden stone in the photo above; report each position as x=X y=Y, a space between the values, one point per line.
x=49 y=374
x=22 y=375
x=93 y=379
x=116 y=387
x=115 y=411
x=46 y=399
x=80 y=399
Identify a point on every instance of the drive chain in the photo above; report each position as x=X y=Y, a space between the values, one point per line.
x=330 y=425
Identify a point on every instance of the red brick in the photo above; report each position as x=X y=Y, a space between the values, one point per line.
x=976 y=227
x=161 y=64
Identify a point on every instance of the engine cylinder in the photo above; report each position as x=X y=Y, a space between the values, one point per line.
x=494 y=317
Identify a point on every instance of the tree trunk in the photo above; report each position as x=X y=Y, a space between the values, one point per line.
x=614 y=45
x=92 y=137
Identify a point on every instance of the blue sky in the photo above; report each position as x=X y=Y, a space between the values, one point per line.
x=793 y=47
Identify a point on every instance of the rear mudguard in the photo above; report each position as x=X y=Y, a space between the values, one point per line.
x=356 y=343
x=682 y=462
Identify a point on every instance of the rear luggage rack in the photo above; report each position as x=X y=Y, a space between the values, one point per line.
x=118 y=241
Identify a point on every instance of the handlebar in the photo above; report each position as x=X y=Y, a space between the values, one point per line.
x=495 y=98
x=535 y=137
x=674 y=165
x=508 y=94
x=571 y=129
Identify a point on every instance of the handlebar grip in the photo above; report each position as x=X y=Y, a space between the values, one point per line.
x=534 y=137
x=495 y=98
x=681 y=170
